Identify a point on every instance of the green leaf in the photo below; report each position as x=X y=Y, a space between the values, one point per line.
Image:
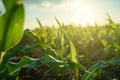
x=49 y=61
x=113 y=25
x=92 y=73
x=41 y=26
x=14 y=68
x=11 y=24
x=76 y=65
x=58 y=22
x=22 y=49
x=73 y=53
x=92 y=70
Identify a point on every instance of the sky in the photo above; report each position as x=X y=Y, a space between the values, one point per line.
x=81 y=12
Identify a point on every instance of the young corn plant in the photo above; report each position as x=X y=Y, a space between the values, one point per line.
x=95 y=70
x=114 y=36
x=73 y=54
x=69 y=58
x=11 y=30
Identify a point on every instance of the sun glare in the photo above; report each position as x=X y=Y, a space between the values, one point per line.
x=83 y=15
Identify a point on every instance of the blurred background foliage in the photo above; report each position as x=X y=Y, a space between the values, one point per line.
x=92 y=43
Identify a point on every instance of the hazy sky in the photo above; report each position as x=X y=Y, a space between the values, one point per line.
x=70 y=11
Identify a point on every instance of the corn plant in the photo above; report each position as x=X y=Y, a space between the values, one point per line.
x=58 y=48
x=73 y=54
x=10 y=25
x=11 y=30
x=112 y=36
x=95 y=70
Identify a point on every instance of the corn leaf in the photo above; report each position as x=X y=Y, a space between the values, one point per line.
x=11 y=24
x=92 y=73
x=13 y=69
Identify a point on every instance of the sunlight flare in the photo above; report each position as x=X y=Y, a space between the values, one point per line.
x=84 y=15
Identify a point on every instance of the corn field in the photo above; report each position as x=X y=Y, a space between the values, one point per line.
x=63 y=52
